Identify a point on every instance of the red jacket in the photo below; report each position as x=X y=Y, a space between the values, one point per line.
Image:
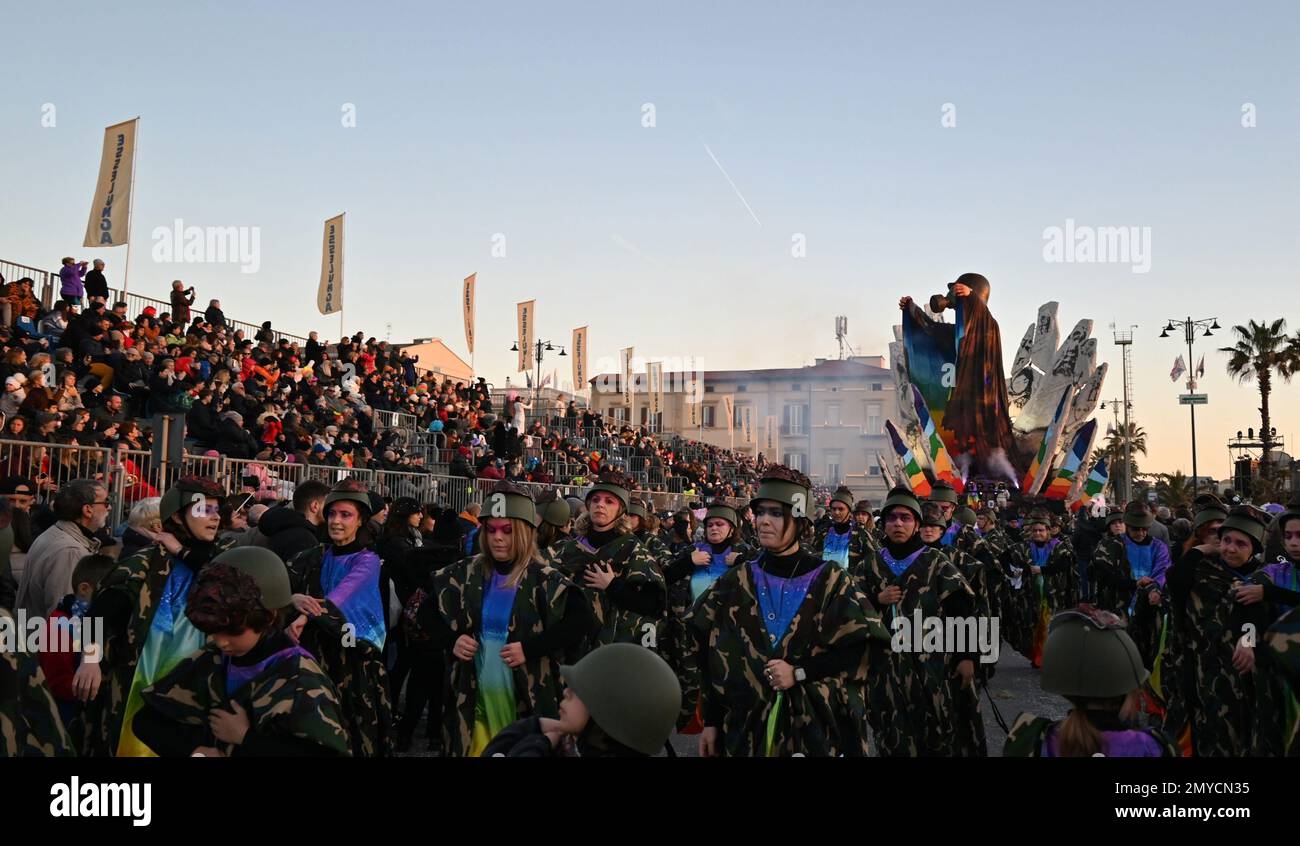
x=59 y=666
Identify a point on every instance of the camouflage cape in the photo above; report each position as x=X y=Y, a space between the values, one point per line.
x=679 y=647
x=1277 y=713
x=1219 y=701
x=970 y=741
x=357 y=670
x=30 y=726
x=1282 y=641
x=818 y=546
x=538 y=605
x=817 y=717
x=1028 y=734
x=290 y=697
x=910 y=699
x=1058 y=585
x=141 y=578
x=633 y=563
x=991 y=547
x=1110 y=570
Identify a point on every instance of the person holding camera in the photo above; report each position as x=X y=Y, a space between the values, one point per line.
x=71 y=285
x=182 y=298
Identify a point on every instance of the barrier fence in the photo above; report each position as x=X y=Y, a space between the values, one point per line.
x=133 y=475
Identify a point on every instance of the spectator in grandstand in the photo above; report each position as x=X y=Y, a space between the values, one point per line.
x=71 y=286
x=96 y=284
x=181 y=299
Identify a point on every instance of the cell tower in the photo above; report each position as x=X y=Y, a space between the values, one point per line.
x=842 y=334
x=1124 y=340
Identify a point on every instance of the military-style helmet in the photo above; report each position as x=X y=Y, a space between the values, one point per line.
x=612 y=482
x=862 y=506
x=1088 y=655
x=356 y=496
x=1208 y=515
x=844 y=495
x=903 y=497
x=943 y=492
x=724 y=512
x=965 y=515
x=786 y=486
x=637 y=509
x=932 y=515
x=506 y=500
x=185 y=493
x=630 y=692
x=267 y=570
x=1114 y=517
x=556 y=512
x=1138 y=516
x=1041 y=518
x=1243 y=520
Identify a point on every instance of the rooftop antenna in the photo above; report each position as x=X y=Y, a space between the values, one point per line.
x=842 y=334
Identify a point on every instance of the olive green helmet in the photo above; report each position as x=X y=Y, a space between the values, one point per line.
x=844 y=495
x=943 y=492
x=1088 y=655
x=631 y=693
x=1243 y=520
x=637 y=509
x=358 y=497
x=612 y=482
x=903 y=497
x=185 y=493
x=786 y=486
x=965 y=515
x=506 y=500
x=1137 y=515
x=722 y=512
x=267 y=570
x=862 y=506
x=1208 y=515
x=556 y=512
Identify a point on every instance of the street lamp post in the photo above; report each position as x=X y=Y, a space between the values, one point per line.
x=1189 y=327
x=1125 y=493
x=542 y=347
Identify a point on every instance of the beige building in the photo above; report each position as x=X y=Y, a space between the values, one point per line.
x=827 y=420
x=436 y=356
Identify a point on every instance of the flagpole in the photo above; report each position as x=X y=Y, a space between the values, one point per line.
x=130 y=209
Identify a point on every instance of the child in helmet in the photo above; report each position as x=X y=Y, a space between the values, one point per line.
x=1091 y=661
x=621 y=700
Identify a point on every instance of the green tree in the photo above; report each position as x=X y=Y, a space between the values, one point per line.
x=1174 y=489
x=1113 y=450
x=1261 y=351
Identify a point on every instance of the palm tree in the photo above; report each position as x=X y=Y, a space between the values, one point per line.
x=1174 y=489
x=1113 y=450
x=1262 y=350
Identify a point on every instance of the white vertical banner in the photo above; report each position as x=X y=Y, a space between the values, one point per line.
x=468 y=298
x=655 y=376
x=694 y=388
x=580 y=359
x=769 y=435
x=525 y=312
x=110 y=208
x=747 y=423
x=329 y=297
x=729 y=407
x=625 y=359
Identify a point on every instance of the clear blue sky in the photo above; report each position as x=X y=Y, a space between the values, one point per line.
x=525 y=119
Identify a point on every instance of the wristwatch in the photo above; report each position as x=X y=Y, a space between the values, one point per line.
x=799 y=674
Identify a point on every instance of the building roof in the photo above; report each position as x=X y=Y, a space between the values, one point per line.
x=823 y=370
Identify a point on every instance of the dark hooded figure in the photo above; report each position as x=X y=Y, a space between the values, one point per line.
x=977 y=411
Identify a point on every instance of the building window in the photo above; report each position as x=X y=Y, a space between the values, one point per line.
x=708 y=389
x=833 y=468
x=873 y=471
x=794 y=460
x=875 y=386
x=795 y=419
x=740 y=389
x=620 y=414
x=738 y=417
x=796 y=387
x=832 y=414
x=709 y=415
x=874 y=423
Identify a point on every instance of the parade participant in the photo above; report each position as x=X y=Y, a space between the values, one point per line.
x=832 y=540
x=620 y=700
x=1048 y=572
x=689 y=575
x=556 y=524
x=1282 y=642
x=251 y=692
x=946 y=496
x=910 y=697
x=1130 y=567
x=508 y=620
x=142 y=603
x=30 y=726
x=1091 y=661
x=621 y=580
x=342 y=619
x=1215 y=660
x=782 y=640
x=1205 y=531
